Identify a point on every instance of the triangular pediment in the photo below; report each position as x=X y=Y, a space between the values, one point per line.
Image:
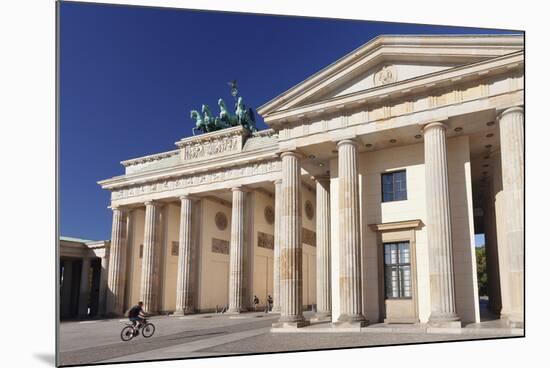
x=386 y=60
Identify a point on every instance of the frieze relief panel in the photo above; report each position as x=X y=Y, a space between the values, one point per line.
x=308 y=237
x=214 y=148
x=218 y=143
x=220 y=246
x=214 y=176
x=266 y=241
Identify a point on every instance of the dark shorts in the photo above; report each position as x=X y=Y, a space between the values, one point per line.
x=136 y=319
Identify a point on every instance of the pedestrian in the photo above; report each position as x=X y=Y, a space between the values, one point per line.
x=256 y=302
x=269 y=303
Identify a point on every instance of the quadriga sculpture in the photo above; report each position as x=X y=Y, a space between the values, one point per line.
x=225 y=116
x=210 y=123
x=245 y=117
x=199 y=123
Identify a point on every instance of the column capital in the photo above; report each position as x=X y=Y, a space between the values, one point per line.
x=352 y=141
x=185 y=196
x=434 y=124
x=239 y=188
x=152 y=203
x=117 y=207
x=278 y=181
x=296 y=154
x=518 y=109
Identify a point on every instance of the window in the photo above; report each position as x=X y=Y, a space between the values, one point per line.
x=397 y=270
x=394 y=186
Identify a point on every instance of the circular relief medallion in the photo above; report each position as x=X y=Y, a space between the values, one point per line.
x=386 y=75
x=269 y=215
x=309 y=210
x=221 y=220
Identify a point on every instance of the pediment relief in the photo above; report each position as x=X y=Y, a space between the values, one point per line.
x=385 y=73
x=391 y=59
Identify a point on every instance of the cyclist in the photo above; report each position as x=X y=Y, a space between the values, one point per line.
x=136 y=314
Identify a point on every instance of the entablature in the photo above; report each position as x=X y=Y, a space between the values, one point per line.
x=408 y=90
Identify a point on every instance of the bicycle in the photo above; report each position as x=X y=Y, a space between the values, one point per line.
x=131 y=330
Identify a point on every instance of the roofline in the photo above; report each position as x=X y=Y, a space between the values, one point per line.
x=462 y=39
x=508 y=59
x=76 y=240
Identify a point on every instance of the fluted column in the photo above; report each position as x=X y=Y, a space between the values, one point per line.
x=103 y=282
x=277 y=249
x=502 y=249
x=150 y=261
x=236 y=252
x=511 y=148
x=291 y=243
x=438 y=221
x=117 y=263
x=184 y=292
x=351 y=303
x=323 y=292
x=84 y=291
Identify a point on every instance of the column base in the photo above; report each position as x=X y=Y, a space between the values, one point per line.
x=289 y=324
x=350 y=324
x=346 y=320
x=322 y=317
x=444 y=320
x=236 y=311
x=181 y=313
x=293 y=321
x=445 y=324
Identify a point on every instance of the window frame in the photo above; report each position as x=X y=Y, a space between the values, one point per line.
x=398 y=265
x=394 y=186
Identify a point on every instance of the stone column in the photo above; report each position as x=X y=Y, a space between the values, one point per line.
x=511 y=148
x=184 y=292
x=323 y=292
x=117 y=270
x=66 y=288
x=351 y=302
x=291 y=243
x=103 y=282
x=438 y=222
x=502 y=249
x=84 y=293
x=277 y=249
x=150 y=261
x=236 y=252
x=493 y=282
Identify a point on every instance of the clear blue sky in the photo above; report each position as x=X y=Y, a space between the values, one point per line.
x=129 y=77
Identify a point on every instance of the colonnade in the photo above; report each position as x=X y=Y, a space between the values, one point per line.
x=287 y=290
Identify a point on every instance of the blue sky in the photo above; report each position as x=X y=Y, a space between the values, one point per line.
x=130 y=75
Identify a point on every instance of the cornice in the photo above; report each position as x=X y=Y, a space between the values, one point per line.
x=403 y=88
x=149 y=158
x=398 y=225
x=207 y=137
x=486 y=46
x=227 y=161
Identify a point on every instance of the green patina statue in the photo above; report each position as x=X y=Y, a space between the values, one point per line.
x=209 y=123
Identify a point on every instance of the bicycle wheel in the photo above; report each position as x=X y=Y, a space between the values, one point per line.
x=148 y=330
x=127 y=333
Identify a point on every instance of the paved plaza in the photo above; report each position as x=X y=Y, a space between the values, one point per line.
x=209 y=335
